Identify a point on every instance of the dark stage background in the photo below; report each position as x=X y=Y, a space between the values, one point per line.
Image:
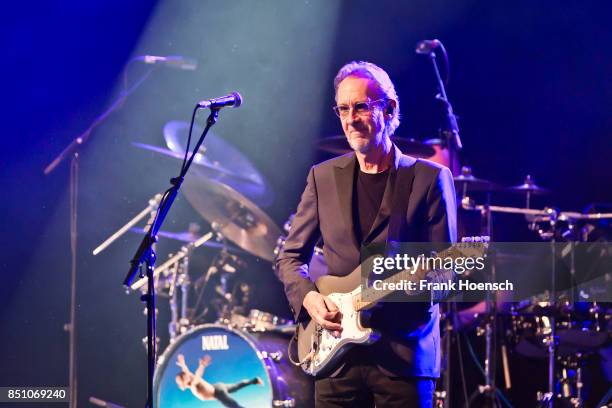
x=530 y=81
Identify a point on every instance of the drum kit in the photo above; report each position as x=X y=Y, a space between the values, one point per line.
x=562 y=326
x=248 y=346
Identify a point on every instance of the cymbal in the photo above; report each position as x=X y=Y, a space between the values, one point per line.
x=209 y=166
x=467 y=182
x=189 y=237
x=219 y=154
x=411 y=147
x=529 y=186
x=233 y=215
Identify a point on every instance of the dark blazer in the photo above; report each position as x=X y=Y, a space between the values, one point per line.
x=418 y=205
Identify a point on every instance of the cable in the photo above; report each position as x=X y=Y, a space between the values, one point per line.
x=477 y=363
x=446 y=63
x=461 y=368
x=193 y=115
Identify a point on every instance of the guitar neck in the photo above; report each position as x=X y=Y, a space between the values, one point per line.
x=367 y=298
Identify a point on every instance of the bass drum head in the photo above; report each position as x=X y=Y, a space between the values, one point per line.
x=233 y=358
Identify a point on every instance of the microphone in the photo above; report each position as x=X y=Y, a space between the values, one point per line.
x=232 y=100
x=427 y=46
x=172 y=61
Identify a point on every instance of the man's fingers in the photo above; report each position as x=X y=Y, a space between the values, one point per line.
x=331 y=306
x=327 y=320
x=324 y=311
x=332 y=316
x=330 y=325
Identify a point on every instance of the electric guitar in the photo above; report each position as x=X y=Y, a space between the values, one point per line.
x=319 y=351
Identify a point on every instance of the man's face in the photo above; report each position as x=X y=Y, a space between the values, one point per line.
x=361 y=130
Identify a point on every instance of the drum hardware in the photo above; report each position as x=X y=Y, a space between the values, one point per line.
x=556 y=325
x=570 y=381
x=173 y=259
x=466 y=182
x=179 y=322
x=191 y=235
x=551 y=215
x=227 y=297
x=262 y=321
x=150 y=208
x=529 y=188
x=440 y=399
x=545 y=399
x=145 y=342
x=102 y=403
x=488 y=389
x=290 y=403
x=275 y=356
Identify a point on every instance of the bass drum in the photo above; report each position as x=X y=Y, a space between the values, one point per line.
x=245 y=370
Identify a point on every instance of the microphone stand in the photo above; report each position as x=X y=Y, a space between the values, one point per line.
x=450 y=129
x=72 y=151
x=145 y=254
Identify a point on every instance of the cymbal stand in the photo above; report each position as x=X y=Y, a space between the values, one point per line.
x=173 y=326
x=551 y=340
x=185 y=284
x=488 y=389
x=180 y=278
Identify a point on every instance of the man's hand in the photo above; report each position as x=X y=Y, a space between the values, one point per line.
x=180 y=360
x=323 y=311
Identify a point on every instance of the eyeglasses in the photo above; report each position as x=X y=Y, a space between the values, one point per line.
x=360 y=108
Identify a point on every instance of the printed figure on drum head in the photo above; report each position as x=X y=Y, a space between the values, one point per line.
x=204 y=390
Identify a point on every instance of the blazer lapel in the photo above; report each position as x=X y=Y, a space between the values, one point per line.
x=390 y=199
x=344 y=173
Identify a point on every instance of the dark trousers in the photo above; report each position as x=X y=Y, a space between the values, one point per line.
x=361 y=384
x=223 y=391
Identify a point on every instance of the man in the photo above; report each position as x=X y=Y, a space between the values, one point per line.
x=202 y=389
x=372 y=195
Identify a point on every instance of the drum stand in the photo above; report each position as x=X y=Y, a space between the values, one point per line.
x=551 y=216
x=180 y=278
x=551 y=340
x=487 y=390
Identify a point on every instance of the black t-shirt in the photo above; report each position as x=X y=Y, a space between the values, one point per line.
x=367 y=195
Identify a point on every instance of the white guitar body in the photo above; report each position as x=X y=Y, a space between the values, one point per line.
x=318 y=350
x=330 y=348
